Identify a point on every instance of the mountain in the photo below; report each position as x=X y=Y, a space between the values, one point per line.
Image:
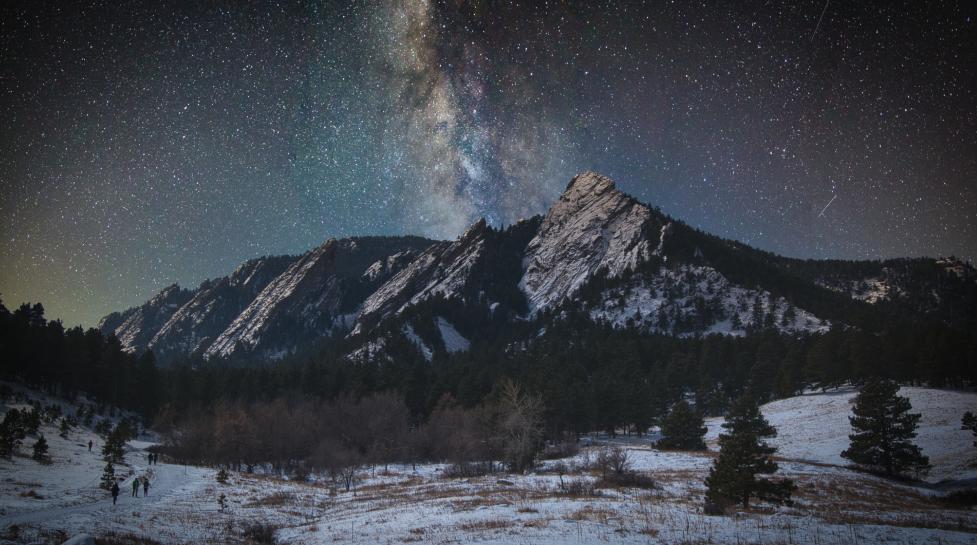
x=135 y=327
x=598 y=254
x=268 y=305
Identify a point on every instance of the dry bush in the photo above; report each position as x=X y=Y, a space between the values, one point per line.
x=260 y=533
x=613 y=460
x=628 y=479
x=579 y=488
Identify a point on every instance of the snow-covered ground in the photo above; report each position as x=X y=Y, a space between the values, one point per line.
x=407 y=504
x=814 y=427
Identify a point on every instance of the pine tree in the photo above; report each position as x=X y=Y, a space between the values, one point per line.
x=11 y=432
x=883 y=431
x=113 y=450
x=108 y=477
x=114 y=447
x=41 y=450
x=683 y=428
x=969 y=422
x=742 y=456
x=64 y=428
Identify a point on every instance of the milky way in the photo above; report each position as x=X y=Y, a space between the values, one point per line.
x=152 y=142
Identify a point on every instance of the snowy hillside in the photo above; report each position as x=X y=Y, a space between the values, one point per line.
x=695 y=299
x=814 y=427
x=405 y=503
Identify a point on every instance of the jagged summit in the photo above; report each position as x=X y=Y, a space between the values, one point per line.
x=591 y=226
x=587 y=182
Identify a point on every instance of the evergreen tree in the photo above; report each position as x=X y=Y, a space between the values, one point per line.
x=969 y=422
x=683 y=428
x=114 y=447
x=64 y=428
x=108 y=477
x=883 y=431
x=41 y=450
x=11 y=433
x=742 y=456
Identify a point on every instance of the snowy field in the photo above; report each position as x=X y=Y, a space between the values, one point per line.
x=416 y=505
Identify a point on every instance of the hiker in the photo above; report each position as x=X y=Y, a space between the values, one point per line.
x=89 y=445
x=149 y=458
x=135 y=487
x=145 y=486
x=115 y=492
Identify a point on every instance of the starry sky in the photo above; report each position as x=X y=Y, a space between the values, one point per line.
x=146 y=143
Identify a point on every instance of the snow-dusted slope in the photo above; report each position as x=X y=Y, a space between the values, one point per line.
x=693 y=299
x=134 y=327
x=592 y=226
x=814 y=427
x=308 y=291
x=214 y=306
x=453 y=341
x=442 y=270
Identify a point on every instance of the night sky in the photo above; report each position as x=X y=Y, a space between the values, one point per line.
x=149 y=143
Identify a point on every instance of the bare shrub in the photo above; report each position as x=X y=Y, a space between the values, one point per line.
x=579 y=488
x=260 y=533
x=613 y=461
x=628 y=479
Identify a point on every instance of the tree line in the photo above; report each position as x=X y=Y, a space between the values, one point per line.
x=588 y=377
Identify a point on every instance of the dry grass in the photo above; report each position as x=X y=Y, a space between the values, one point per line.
x=275 y=499
x=596 y=514
x=485 y=525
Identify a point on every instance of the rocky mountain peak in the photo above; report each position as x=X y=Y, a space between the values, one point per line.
x=587 y=184
x=592 y=226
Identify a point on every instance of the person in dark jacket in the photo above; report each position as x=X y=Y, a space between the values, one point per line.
x=89 y=445
x=115 y=492
x=135 y=487
x=145 y=486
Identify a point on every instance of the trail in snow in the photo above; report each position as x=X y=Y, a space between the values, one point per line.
x=164 y=480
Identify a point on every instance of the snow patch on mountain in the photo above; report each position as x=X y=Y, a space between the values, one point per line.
x=592 y=226
x=318 y=294
x=413 y=337
x=453 y=341
x=441 y=270
x=871 y=290
x=137 y=323
x=388 y=266
x=696 y=299
x=214 y=306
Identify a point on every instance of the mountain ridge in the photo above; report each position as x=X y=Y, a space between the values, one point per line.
x=597 y=250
